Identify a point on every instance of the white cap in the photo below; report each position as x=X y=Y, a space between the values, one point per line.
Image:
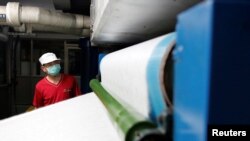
x=47 y=58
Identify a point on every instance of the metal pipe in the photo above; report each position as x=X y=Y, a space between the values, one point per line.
x=75 y=31
x=17 y=15
x=36 y=15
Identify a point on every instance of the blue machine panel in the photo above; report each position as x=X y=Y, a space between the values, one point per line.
x=212 y=66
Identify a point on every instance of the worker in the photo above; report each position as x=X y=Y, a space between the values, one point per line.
x=55 y=86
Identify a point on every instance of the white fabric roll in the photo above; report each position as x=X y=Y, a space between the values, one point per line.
x=83 y=118
x=124 y=72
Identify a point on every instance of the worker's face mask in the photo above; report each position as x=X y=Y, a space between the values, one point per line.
x=54 y=70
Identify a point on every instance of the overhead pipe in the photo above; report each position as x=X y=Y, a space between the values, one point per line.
x=17 y=15
x=29 y=28
x=59 y=29
x=36 y=15
x=77 y=31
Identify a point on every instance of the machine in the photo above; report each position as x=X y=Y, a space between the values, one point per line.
x=154 y=70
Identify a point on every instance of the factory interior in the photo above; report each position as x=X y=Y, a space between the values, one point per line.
x=148 y=70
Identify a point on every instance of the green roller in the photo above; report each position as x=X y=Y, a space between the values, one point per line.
x=133 y=125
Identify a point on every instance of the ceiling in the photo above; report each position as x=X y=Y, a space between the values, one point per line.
x=70 y=6
x=79 y=7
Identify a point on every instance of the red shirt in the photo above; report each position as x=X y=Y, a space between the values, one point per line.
x=47 y=93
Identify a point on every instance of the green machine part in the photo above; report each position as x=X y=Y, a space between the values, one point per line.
x=134 y=127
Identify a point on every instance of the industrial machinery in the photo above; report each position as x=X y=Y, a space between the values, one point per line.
x=168 y=79
x=211 y=70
